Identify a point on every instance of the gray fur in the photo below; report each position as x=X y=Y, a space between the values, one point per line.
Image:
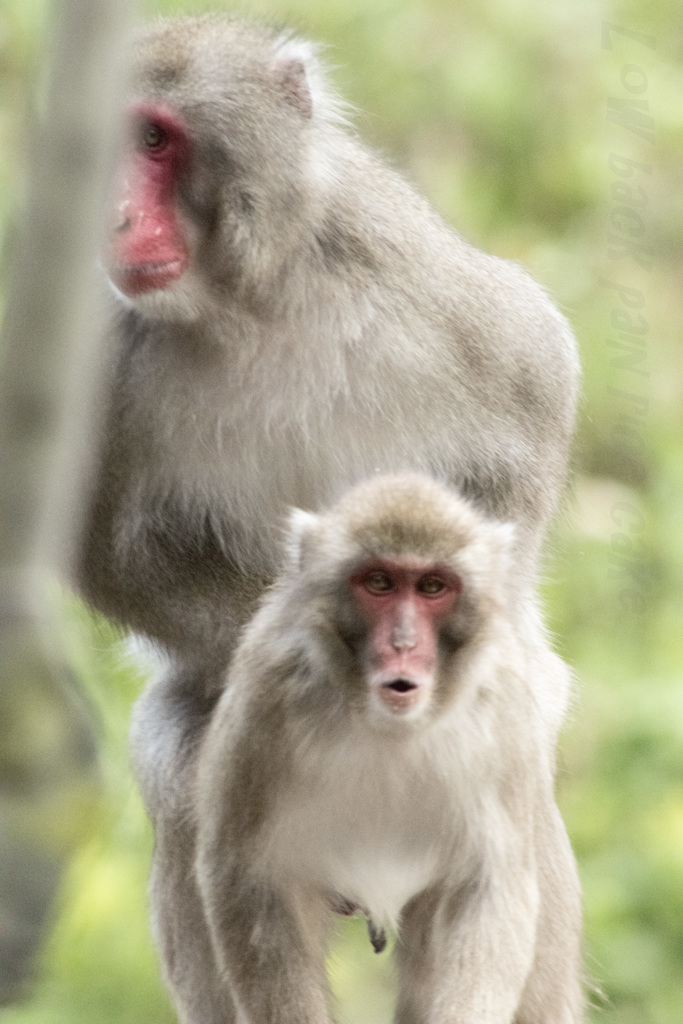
x=330 y=326
x=443 y=827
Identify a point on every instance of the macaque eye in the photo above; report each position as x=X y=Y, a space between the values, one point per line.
x=378 y=583
x=152 y=136
x=431 y=586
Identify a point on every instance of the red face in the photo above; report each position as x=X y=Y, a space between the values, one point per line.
x=147 y=248
x=404 y=603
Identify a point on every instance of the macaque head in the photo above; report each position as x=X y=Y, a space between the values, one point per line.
x=211 y=197
x=410 y=576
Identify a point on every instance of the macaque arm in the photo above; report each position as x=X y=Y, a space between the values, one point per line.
x=464 y=956
x=270 y=947
x=268 y=930
x=554 y=989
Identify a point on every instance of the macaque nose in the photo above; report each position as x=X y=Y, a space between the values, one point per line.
x=404 y=634
x=121 y=213
x=120 y=218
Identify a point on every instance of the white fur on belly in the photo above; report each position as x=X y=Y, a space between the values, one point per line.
x=366 y=824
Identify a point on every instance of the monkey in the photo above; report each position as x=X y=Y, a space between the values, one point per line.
x=379 y=743
x=288 y=316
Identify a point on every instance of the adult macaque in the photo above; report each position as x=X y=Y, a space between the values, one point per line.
x=290 y=317
x=380 y=744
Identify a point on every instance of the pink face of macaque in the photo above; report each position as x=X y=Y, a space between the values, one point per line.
x=147 y=248
x=404 y=603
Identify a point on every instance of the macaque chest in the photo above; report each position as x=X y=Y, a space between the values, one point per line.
x=368 y=830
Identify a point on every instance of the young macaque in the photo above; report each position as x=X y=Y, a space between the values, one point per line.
x=380 y=744
x=289 y=317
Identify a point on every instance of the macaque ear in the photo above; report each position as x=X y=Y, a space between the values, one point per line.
x=300 y=523
x=293 y=84
x=291 y=75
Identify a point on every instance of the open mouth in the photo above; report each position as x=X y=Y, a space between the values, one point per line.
x=400 y=686
x=400 y=695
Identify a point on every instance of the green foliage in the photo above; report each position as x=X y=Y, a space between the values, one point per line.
x=99 y=963
x=501 y=113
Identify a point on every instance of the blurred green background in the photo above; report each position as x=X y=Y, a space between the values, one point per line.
x=551 y=138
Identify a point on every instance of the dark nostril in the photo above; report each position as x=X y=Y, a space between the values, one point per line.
x=125 y=225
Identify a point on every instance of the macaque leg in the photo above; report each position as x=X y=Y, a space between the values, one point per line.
x=464 y=956
x=182 y=936
x=168 y=721
x=270 y=943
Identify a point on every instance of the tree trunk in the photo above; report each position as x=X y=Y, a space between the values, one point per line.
x=48 y=391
